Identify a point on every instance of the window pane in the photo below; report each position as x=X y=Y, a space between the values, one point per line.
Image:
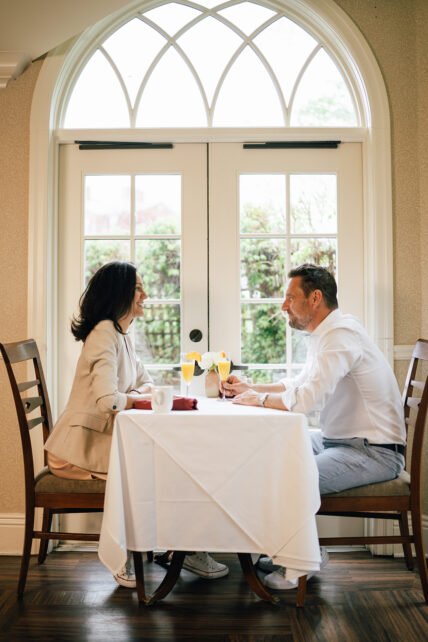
x=247 y=15
x=299 y=344
x=321 y=251
x=286 y=47
x=157 y=334
x=133 y=48
x=202 y=45
x=172 y=16
x=165 y=377
x=158 y=204
x=248 y=97
x=313 y=199
x=98 y=252
x=271 y=375
x=262 y=268
x=322 y=98
x=171 y=97
x=262 y=333
x=158 y=263
x=107 y=204
x=97 y=99
x=262 y=203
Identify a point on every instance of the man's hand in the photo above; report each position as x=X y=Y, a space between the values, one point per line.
x=234 y=386
x=248 y=398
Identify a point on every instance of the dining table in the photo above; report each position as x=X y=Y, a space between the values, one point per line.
x=221 y=478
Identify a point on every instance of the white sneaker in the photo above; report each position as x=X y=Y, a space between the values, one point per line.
x=276 y=579
x=125 y=577
x=204 y=565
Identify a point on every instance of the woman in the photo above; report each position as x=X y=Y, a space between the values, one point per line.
x=109 y=378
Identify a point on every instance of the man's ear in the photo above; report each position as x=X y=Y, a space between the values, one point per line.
x=317 y=297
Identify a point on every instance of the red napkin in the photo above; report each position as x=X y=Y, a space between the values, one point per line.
x=178 y=403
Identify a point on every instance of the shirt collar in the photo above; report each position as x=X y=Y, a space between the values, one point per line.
x=329 y=321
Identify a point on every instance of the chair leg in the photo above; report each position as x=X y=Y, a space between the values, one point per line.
x=419 y=547
x=404 y=531
x=46 y=527
x=28 y=538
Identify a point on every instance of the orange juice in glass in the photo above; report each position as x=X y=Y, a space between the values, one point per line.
x=223 y=367
x=188 y=368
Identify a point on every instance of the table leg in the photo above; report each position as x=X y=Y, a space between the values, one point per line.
x=169 y=580
x=301 y=591
x=139 y=575
x=253 y=579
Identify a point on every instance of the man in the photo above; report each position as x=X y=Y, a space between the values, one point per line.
x=348 y=380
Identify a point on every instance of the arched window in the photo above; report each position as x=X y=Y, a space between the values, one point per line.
x=195 y=64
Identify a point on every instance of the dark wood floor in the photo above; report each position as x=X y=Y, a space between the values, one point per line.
x=73 y=597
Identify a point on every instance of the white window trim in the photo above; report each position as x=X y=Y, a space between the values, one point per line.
x=356 y=61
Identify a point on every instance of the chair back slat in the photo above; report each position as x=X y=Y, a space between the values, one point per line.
x=22 y=351
x=31 y=403
x=420 y=350
x=413 y=402
x=25 y=385
x=32 y=423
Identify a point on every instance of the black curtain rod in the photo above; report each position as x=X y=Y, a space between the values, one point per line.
x=112 y=144
x=295 y=144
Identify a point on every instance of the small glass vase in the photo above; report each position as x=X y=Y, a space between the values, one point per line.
x=212 y=384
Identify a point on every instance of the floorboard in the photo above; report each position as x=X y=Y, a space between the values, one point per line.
x=72 y=597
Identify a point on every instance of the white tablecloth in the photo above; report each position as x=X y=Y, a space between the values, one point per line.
x=223 y=478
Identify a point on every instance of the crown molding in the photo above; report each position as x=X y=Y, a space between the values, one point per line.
x=12 y=64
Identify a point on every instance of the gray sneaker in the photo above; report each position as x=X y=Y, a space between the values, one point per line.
x=204 y=565
x=276 y=579
x=266 y=564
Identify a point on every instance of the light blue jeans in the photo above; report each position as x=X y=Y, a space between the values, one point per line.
x=346 y=463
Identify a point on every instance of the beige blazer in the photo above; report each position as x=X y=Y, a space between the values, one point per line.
x=108 y=369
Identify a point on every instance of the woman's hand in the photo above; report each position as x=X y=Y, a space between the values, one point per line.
x=234 y=386
x=134 y=396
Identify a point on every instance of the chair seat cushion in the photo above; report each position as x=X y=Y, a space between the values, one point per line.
x=398 y=486
x=46 y=482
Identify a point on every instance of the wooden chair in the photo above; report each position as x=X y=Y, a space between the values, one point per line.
x=53 y=494
x=396 y=498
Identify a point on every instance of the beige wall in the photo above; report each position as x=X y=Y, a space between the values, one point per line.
x=396 y=31
x=15 y=106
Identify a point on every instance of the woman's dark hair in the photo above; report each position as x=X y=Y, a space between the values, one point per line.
x=314 y=277
x=108 y=295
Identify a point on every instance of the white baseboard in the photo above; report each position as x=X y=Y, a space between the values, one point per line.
x=12 y=537
x=398 y=549
x=12 y=534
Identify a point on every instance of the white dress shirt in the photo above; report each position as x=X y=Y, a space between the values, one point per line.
x=347 y=378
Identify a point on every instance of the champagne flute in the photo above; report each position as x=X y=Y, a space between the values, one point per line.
x=187 y=370
x=223 y=368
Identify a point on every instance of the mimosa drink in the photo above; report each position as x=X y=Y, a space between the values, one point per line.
x=223 y=369
x=187 y=370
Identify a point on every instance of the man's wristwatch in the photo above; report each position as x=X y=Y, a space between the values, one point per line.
x=263 y=397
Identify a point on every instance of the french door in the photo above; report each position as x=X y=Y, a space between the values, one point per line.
x=214 y=230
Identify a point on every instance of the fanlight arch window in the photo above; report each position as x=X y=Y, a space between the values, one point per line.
x=205 y=64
